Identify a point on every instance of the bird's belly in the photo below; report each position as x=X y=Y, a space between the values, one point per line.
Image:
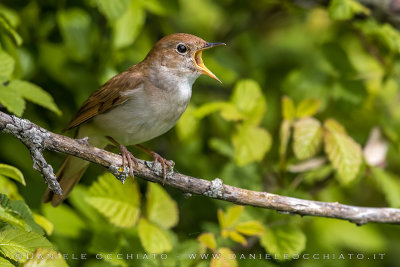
x=134 y=123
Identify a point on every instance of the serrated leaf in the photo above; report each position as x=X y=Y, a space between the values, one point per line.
x=288 y=108
x=113 y=9
x=344 y=153
x=74 y=26
x=127 y=27
x=6 y=67
x=153 y=238
x=44 y=223
x=307 y=137
x=251 y=143
x=285 y=239
x=17 y=213
x=346 y=9
x=161 y=209
x=44 y=257
x=5 y=263
x=235 y=236
x=232 y=214
x=388 y=184
x=249 y=100
x=35 y=94
x=223 y=258
x=208 y=240
x=15 y=242
x=11 y=100
x=250 y=228
x=12 y=172
x=307 y=108
x=120 y=203
x=66 y=221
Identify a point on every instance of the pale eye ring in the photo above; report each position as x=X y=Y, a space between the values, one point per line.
x=181 y=48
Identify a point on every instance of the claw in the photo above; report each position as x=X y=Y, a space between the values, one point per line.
x=128 y=160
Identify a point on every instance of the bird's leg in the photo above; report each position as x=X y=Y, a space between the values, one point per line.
x=127 y=158
x=157 y=158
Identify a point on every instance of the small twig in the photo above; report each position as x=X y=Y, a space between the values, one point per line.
x=37 y=139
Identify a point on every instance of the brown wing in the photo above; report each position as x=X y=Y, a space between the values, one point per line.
x=107 y=97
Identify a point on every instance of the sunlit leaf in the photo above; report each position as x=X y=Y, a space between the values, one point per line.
x=208 y=240
x=44 y=223
x=6 y=67
x=232 y=214
x=188 y=124
x=15 y=242
x=118 y=202
x=153 y=238
x=35 y=94
x=44 y=257
x=346 y=9
x=223 y=258
x=307 y=108
x=288 y=108
x=11 y=99
x=65 y=220
x=284 y=136
x=221 y=218
x=249 y=99
x=285 y=239
x=12 y=172
x=250 y=228
x=344 y=153
x=161 y=209
x=251 y=143
x=235 y=236
x=389 y=184
x=5 y=263
x=128 y=26
x=307 y=138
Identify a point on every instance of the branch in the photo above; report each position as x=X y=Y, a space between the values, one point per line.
x=37 y=139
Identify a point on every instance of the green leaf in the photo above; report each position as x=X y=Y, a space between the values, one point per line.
x=74 y=26
x=120 y=203
x=44 y=223
x=161 y=209
x=208 y=240
x=44 y=257
x=11 y=100
x=231 y=113
x=249 y=100
x=12 y=173
x=188 y=124
x=16 y=243
x=210 y=108
x=288 y=108
x=235 y=236
x=5 y=263
x=250 y=228
x=9 y=188
x=127 y=27
x=113 y=9
x=284 y=136
x=251 y=143
x=6 y=67
x=285 y=239
x=65 y=220
x=221 y=218
x=232 y=215
x=344 y=153
x=153 y=238
x=10 y=30
x=346 y=9
x=17 y=213
x=221 y=146
x=35 y=94
x=389 y=184
x=307 y=138
x=223 y=258
x=334 y=126
x=307 y=108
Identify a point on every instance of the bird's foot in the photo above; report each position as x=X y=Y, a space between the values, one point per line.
x=164 y=164
x=128 y=160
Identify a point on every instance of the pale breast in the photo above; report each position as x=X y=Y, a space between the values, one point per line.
x=148 y=113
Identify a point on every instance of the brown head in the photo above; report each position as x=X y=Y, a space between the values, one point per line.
x=181 y=54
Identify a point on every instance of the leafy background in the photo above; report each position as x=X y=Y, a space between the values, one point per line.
x=308 y=108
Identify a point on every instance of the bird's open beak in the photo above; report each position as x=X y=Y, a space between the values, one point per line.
x=199 y=61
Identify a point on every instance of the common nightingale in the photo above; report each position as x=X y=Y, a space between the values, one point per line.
x=137 y=105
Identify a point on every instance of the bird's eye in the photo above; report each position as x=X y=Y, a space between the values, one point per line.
x=181 y=48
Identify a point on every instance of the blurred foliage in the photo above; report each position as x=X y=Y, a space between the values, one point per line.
x=303 y=88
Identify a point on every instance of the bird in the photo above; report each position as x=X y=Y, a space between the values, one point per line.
x=137 y=105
